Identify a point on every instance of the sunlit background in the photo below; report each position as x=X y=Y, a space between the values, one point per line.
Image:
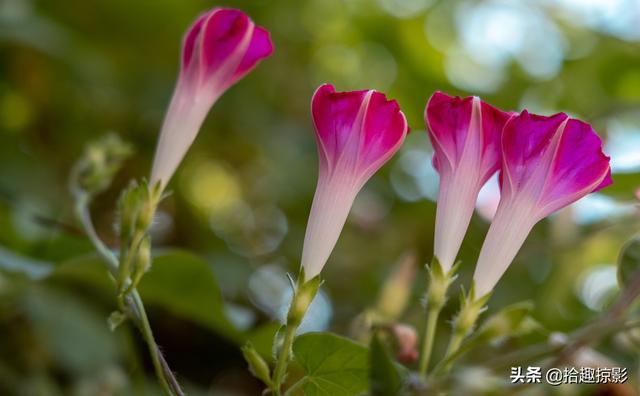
x=74 y=70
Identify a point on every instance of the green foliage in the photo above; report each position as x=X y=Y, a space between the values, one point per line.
x=180 y=282
x=333 y=365
x=58 y=317
x=15 y=263
x=386 y=376
x=629 y=261
x=511 y=321
x=72 y=70
x=185 y=285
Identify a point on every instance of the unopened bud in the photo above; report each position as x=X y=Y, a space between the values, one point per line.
x=407 y=340
x=396 y=290
x=99 y=163
x=257 y=365
x=142 y=261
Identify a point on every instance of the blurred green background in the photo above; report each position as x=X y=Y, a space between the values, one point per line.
x=73 y=70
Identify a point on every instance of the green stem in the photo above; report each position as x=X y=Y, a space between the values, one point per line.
x=303 y=294
x=168 y=382
x=137 y=313
x=454 y=344
x=283 y=358
x=82 y=212
x=429 y=335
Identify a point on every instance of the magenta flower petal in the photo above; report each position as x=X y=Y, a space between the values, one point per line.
x=579 y=167
x=220 y=47
x=224 y=40
x=553 y=161
x=191 y=38
x=357 y=132
x=334 y=115
x=465 y=135
x=548 y=163
x=260 y=47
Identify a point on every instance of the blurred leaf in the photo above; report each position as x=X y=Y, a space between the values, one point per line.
x=624 y=185
x=12 y=262
x=180 y=282
x=629 y=261
x=386 y=376
x=262 y=338
x=510 y=321
x=185 y=285
x=333 y=365
x=75 y=333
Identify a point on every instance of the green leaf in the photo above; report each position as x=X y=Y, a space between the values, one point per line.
x=262 y=338
x=386 y=376
x=629 y=261
x=32 y=268
x=511 y=321
x=73 y=331
x=185 y=285
x=179 y=282
x=624 y=184
x=333 y=365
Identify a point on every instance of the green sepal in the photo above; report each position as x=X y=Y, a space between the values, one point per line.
x=304 y=293
x=278 y=340
x=142 y=261
x=116 y=318
x=257 y=365
x=510 y=321
x=470 y=309
x=439 y=283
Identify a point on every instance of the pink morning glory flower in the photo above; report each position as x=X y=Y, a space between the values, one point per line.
x=357 y=132
x=220 y=48
x=547 y=164
x=465 y=135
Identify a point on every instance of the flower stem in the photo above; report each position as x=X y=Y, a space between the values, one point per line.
x=136 y=310
x=439 y=282
x=429 y=335
x=283 y=358
x=454 y=344
x=303 y=294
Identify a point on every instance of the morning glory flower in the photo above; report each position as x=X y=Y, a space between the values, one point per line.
x=220 y=48
x=357 y=132
x=465 y=135
x=547 y=164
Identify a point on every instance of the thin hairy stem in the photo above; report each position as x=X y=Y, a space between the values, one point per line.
x=135 y=308
x=427 y=342
x=283 y=359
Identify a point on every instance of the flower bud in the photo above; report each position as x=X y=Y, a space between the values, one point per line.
x=99 y=163
x=357 y=133
x=547 y=164
x=258 y=367
x=142 y=260
x=465 y=135
x=220 y=48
